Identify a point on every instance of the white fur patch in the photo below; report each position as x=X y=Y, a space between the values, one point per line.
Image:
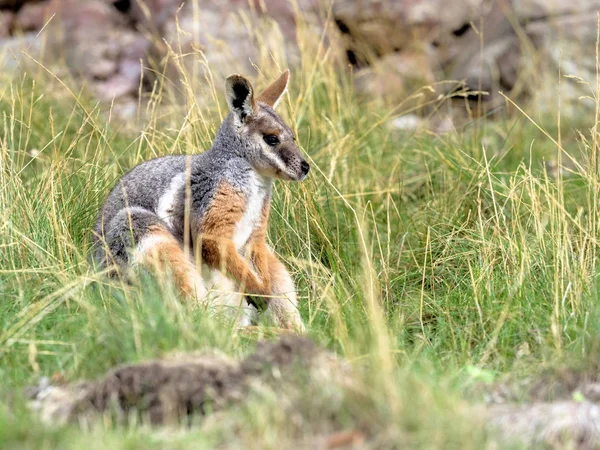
x=276 y=161
x=258 y=189
x=166 y=202
x=223 y=297
x=145 y=246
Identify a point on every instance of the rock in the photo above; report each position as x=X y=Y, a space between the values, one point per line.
x=395 y=76
x=395 y=46
x=543 y=9
x=408 y=122
x=567 y=42
x=98 y=45
x=373 y=28
x=14 y=4
x=153 y=13
x=88 y=19
x=11 y=51
x=209 y=40
x=7 y=20
x=102 y=69
x=212 y=45
x=446 y=43
x=31 y=17
x=495 y=67
x=561 y=411
x=217 y=35
x=563 y=424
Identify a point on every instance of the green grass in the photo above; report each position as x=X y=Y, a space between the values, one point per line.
x=423 y=259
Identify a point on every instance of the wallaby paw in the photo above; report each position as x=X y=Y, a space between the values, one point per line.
x=292 y=322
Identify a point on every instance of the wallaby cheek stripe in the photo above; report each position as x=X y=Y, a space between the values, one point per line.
x=276 y=161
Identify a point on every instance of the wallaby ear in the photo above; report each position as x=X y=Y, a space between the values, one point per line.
x=274 y=93
x=240 y=96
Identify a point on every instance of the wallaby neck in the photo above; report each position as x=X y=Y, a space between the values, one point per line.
x=227 y=143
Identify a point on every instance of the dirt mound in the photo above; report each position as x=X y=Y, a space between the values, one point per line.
x=173 y=390
x=170 y=390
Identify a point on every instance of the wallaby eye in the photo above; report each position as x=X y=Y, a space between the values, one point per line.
x=271 y=139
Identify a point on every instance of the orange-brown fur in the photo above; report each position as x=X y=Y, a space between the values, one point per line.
x=257 y=247
x=167 y=256
x=229 y=187
x=218 y=248
x=268 y=267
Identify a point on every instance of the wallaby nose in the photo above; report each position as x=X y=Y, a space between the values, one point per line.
x=305 y=168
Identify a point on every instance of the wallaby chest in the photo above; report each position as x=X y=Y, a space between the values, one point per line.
x=258 y=191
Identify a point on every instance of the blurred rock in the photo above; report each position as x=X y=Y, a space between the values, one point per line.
x=153 y=13
x=395 y=47
x=99 y=45
x=408 y=122
x=542 y=9
x=373 y=28
x=567 y=42
x=11 y=51
x=467 y=61
x=31 y=17
x=14 y=4
x=475 y=42
x=219 y=38
x=556 y=425
x=395 y=76
x=508 y=61
x=218 y=33
x=7 y=20
x=168 y=390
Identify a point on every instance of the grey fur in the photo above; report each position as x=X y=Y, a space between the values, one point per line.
x=243 y=153
x=236 y=153
x=139 y=190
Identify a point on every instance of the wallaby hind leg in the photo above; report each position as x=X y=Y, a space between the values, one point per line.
x=136 y=236
x=283 y=306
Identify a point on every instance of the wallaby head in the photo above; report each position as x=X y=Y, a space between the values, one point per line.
x=268 y=143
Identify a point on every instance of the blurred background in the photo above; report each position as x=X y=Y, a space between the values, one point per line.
x=405 y=53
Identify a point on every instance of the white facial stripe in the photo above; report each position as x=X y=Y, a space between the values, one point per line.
x=274 y=159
